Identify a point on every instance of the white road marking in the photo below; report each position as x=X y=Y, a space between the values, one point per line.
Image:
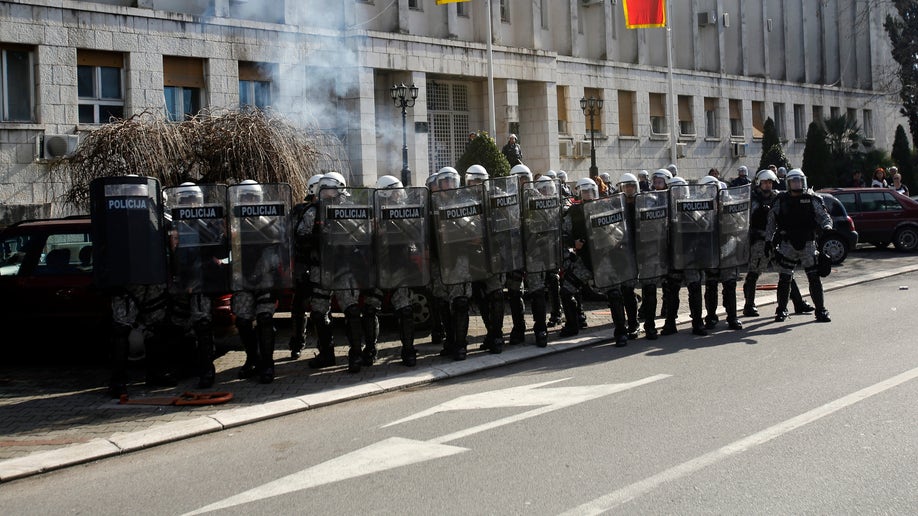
x=396 y=451
x=642 y=487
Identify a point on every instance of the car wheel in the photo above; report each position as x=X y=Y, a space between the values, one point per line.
x=835 y=248
x=906 y=239
x=421 y=303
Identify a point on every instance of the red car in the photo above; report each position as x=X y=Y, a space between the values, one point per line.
x=881 y=215
x=48 y=295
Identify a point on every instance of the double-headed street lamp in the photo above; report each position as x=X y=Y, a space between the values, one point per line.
x=591 y=107
x=404 y=97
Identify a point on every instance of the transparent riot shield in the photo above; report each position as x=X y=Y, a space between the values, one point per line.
x=541 y=222
x=459 y=221
x=401 y=237
x=260 y=237
x=693 y=227
x=346 y=248
x=505 y=237
x=128 y=231
x=198 y=240
x=610 y=244
x=734 y=226
x=652 y=234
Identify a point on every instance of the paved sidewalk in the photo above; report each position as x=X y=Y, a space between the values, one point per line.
x=60 y=416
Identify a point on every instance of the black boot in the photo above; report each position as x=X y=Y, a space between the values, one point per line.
x=517 y=308
x=571 y=310
x=406 y=334
x=710 y=304
x=494 y=340
x=670 y=305
x=250 y=343
x=370 y=321
x=203 y=331
x=449 y=337
x=159 y=370
x=120 y=345
x=298 y=334
x=749 y=308
x=800 y=304
x=649 y=302
x=695 y=300
x=617 y=307
x=436 y=323
x=784 y=288
x=818 y=297
x=629 y=299
x=325 y=342
x=553 y=286
x=353 y=330
x=729 y=295
x=460 y=320
x=539 y=310
x=266 y=337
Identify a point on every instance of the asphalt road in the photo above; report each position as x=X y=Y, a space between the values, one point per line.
x=793 y=417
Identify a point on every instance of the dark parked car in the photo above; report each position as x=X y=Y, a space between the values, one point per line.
x=843 y=237
x=882 y=216
x=47 y=294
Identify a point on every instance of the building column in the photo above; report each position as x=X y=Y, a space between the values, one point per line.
x=538 y=116
x=358 y=108
x=506 y=94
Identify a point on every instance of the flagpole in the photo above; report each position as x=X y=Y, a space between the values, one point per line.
x=672 y=95
x=492 y=127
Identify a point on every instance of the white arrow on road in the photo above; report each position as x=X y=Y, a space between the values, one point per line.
x=396 y=451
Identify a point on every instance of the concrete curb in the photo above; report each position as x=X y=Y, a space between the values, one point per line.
x=121 y=443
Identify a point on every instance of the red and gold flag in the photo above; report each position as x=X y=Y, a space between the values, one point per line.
x=443 y=2
x=643 y=14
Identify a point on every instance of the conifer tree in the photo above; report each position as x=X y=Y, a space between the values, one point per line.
x=483 y=150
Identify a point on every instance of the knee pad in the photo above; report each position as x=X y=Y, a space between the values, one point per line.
x=460 y=303
x=352 y=312
x=263 y=319
x=244 y=324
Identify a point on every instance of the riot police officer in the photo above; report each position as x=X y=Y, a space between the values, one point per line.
x=629 y=186
x=401 y=252
x=488 y=293
x=511 y=249
x=541 y=207
x=302 y=287
x=762 y=199
x=732 y=228
x=129 y=253
x=439 y=307
x=793 y=225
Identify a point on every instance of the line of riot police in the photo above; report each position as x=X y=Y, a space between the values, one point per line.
x=492 y=241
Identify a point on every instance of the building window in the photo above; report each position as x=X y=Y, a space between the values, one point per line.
x=626 y=113
x=563 y=127
x=817 y=115
x=505 y=11
x=255 y=84
x=596 y=128
x=868 y=124
x=462 y=9
x=183 y=79
x=100 y=86
x=658 y=113
x=851 y=113
x=710 y=117
x=414 y=4
x=686 y=118
x=758 y=119
x=800 y=125
x=543 y=12
x=780 y=121
x=834 y=112
x=448 y=120
x=736 y=118
x=17 y=84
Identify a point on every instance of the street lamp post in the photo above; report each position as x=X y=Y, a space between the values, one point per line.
x=404 y=97
x=591 y=107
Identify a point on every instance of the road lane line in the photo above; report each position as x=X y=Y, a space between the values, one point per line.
x=642 y=487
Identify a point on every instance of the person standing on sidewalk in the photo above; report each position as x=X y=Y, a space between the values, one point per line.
x=793 y=226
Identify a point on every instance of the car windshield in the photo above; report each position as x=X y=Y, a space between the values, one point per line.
x=13 y=253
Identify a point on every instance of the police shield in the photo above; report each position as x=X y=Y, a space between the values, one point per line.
x=652 y=234
x=693 y=226
x=541 y=222
x=505 y=237
x=198 y=241
x=260 y=255
x=459 y=221
x=129 y=240
x=401 y=237
x=609 y=240
x=346 y=250
x=734 y=226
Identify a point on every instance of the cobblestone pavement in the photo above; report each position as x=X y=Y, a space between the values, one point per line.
x=46 y=408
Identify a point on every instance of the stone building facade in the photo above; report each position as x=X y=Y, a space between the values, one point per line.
x=69 y=64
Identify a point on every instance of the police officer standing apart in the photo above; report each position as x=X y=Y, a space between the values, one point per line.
x=793 y=225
